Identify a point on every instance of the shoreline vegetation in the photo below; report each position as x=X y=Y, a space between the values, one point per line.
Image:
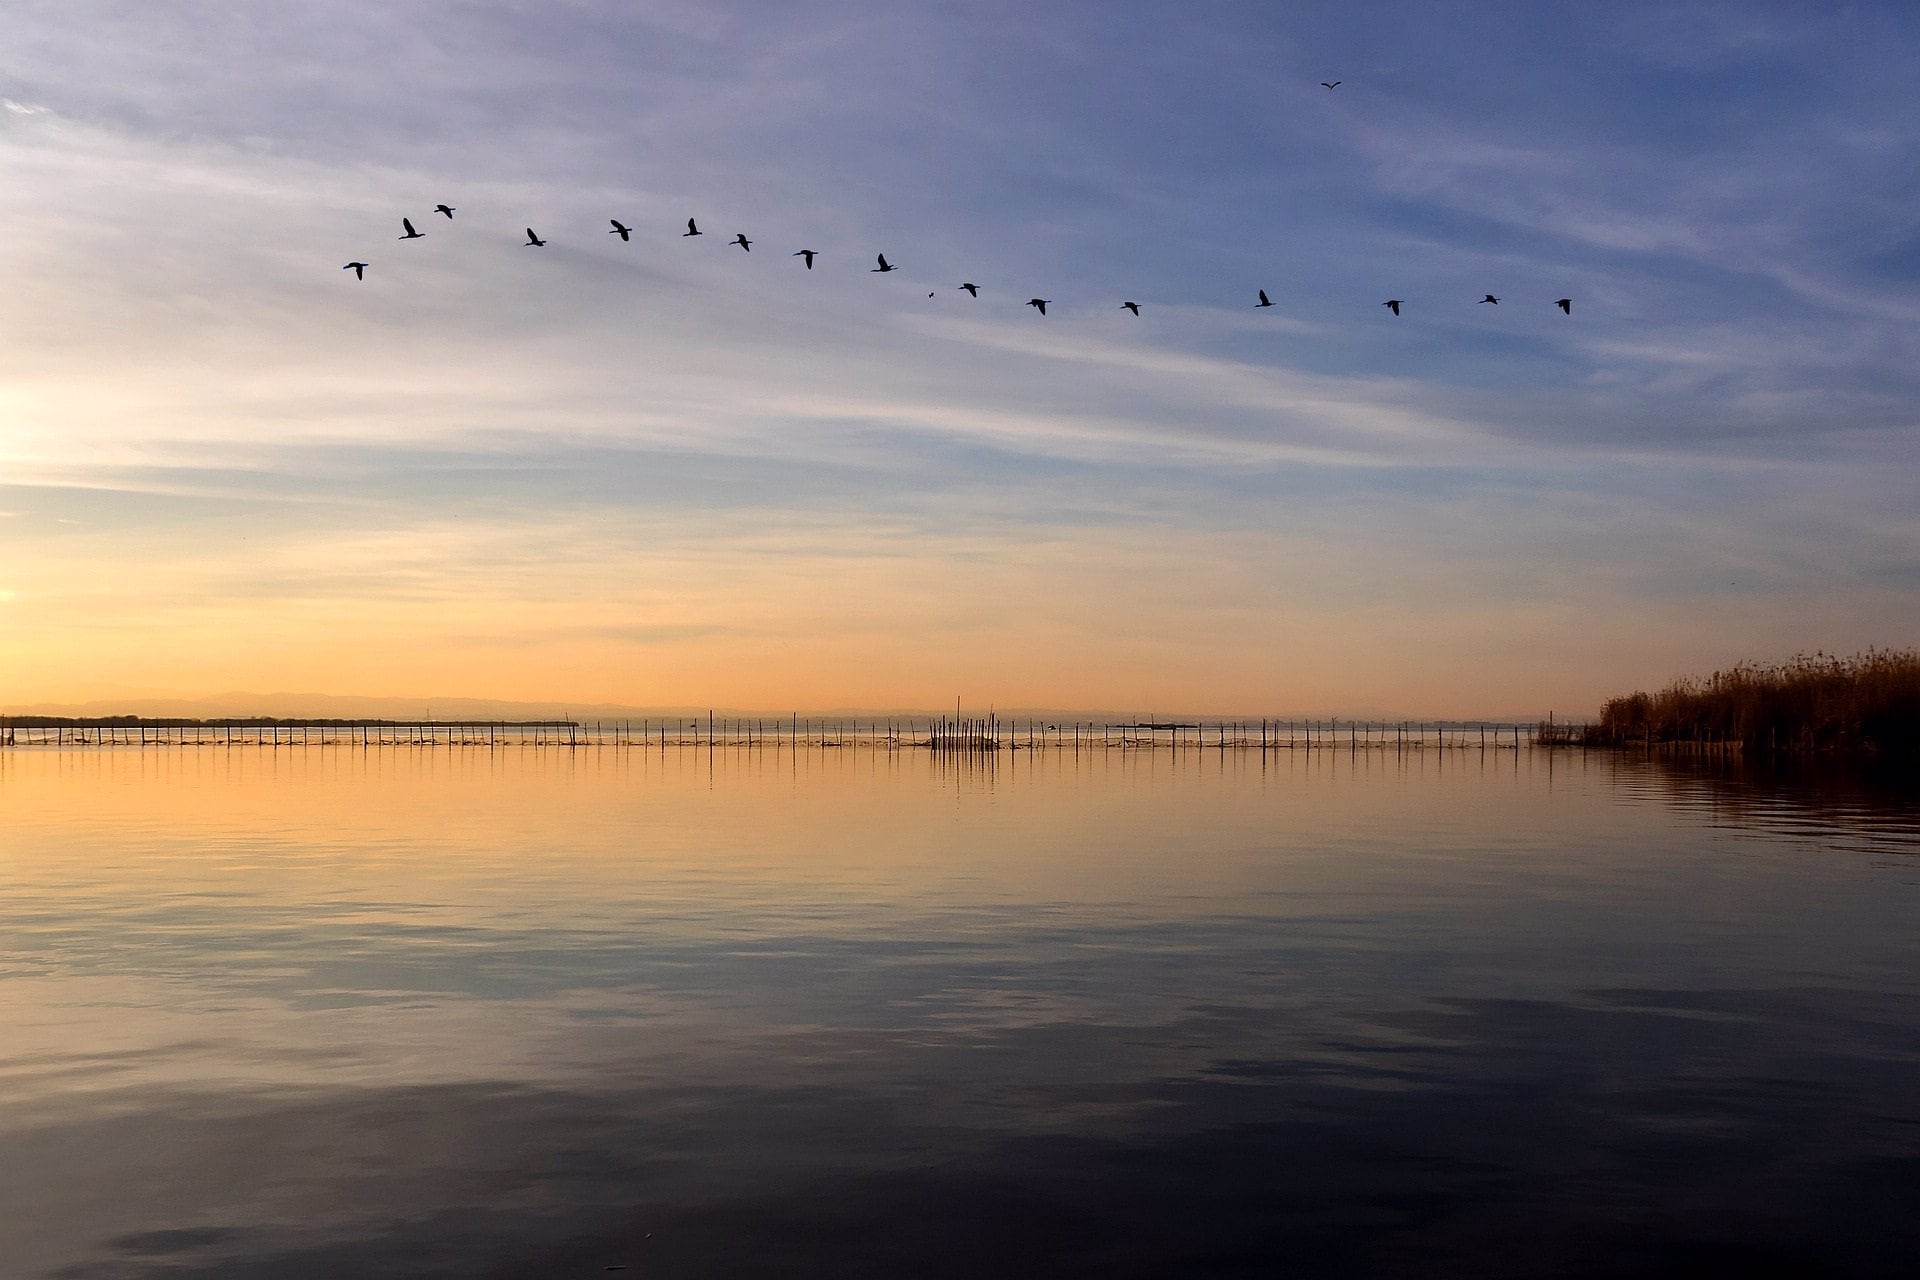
x=1866 y=705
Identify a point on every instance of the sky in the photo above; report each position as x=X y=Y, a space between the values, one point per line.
x=669 y=472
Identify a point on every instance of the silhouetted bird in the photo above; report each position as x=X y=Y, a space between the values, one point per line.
x=741 y=240
x=1130 y=306
x=1039 y=304
x=1393 y=305
x=359 y=270
x=973 y=290
x=533 y=241
x=1331 y=84
x=1265 y=301
x=808 y=255
x=444 y=208
x=1490 y=298
x=884 y=264
x=1565 y=304
x=621 y=229
x=411 y=233
x=691 y=229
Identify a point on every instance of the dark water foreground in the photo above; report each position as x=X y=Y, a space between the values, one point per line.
x=396 y=1013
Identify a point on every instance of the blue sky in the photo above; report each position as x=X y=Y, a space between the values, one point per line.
x=667 y=471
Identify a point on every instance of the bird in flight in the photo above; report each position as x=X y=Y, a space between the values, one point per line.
x=808 y=255
x=741 y=240
x=411 y=233
x=621 y=229
x=359 y=270
x=1265 y=301
x=1331 y=84
x=533 y=241
x=973 y=290
x=444 y=208
x=691 y=229
x=1565 y=304
x=1490 y=298
x=1393 y=305
x=884 y=264
x=1130 y=306
x=1039 y=304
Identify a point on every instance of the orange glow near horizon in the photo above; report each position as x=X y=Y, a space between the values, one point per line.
x=783 y=617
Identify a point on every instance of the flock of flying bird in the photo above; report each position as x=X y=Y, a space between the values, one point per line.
x=625 y=233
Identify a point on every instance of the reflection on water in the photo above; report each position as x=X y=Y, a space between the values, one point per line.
x=1828 y=803
x=536 y=1013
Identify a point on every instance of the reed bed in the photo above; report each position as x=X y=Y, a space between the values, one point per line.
x=1868 y=703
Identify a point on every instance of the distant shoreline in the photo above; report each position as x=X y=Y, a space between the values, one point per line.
x=940 y=733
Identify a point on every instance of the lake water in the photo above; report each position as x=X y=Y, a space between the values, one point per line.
x=539 y=1012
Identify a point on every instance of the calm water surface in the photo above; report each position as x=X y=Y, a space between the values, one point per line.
x=538 y=1013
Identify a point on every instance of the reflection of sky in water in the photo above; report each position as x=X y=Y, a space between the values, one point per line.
x=323 y=1013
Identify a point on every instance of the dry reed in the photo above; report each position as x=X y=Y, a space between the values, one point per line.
x=1868 y=703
